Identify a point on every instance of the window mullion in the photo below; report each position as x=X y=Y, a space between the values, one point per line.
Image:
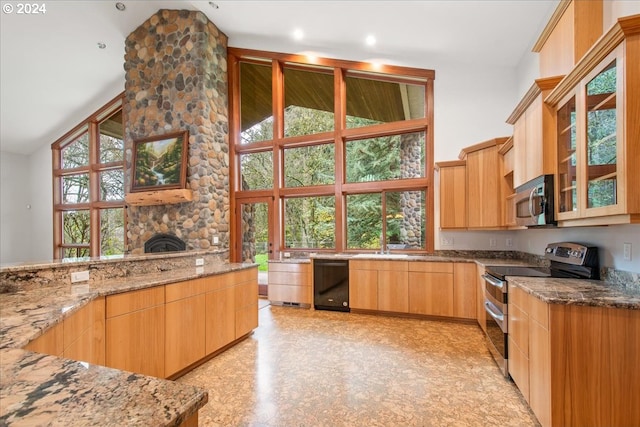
x=94 y=189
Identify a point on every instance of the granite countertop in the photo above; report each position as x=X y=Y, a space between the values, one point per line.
x=594 y=293
x=56 y=391
x=39 y=389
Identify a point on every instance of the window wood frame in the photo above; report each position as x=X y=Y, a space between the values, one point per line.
x=91 y=125
x=339 y=137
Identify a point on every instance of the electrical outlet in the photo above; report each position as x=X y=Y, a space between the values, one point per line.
x=80 y=276
x=199 y=261
x=446 y=241
x=627 y=251
x=493 y=242
x=216 y=240
x=508 y=242
x=287 y=254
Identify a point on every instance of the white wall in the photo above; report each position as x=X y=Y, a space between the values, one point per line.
x=15 y=198
x=41 y=219
x=26 y=223
x=613 y=9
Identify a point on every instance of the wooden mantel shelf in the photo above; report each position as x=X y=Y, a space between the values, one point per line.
x=159 y=197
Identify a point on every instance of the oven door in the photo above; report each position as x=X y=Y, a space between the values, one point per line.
x=496 y=326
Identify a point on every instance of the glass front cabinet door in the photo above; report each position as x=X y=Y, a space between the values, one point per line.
x=598 y=140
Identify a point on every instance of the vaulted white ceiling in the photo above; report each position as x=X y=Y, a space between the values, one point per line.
x=53 y=74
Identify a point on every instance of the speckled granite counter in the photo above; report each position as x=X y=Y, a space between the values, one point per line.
x=41 y=390
x=47 y=390
x=579 y=292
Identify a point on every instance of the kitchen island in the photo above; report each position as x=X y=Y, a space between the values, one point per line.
x=59 y=388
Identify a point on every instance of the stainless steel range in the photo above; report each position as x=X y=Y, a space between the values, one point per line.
x=572 y=260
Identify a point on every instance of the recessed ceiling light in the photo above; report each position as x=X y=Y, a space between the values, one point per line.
x=214 y=5
x=102 y=45
x=298 y=34
x=120 y=6
x=370 y=40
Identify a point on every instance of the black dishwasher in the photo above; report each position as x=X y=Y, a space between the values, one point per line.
x=331 y=284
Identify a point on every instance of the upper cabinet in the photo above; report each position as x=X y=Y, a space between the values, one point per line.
x=484 y=180
x=453 y=194
x=572 y=30
x=597 y=107
x=534 y=133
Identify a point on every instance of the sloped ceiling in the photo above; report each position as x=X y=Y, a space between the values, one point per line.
x=53 y=74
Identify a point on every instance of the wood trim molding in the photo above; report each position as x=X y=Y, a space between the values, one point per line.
x=506 y=146
x=625 y=27
x=551 y=25
x=482 y=146
x=538 y=86
x=450 y=163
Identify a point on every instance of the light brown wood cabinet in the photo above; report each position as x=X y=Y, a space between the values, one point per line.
x=80 y=336
x=534 y=133
x=220 y=313
x=464 y=290
x=597 y=112
x=571 y=31
x=484 y=198
x=135 y=331
x=290 y=282
x=50 y=342
x=184 y=325
x=453 y=194
x=431 y=288
x=379 y=285
x=246 y=301
x=363 y=285
x=575 y=365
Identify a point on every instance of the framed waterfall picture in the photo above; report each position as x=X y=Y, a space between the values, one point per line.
x=160 y=162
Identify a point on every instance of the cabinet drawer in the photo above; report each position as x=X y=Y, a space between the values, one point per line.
x=290 y=267
x=519 y=328
x=76 y=324
x=539 y=311
x=431 y=267
x=241 y=276
x=133 y=301
x=519 y=368
x=286 y=278
x=286 y=293
x=181 y=290
x=519 y=297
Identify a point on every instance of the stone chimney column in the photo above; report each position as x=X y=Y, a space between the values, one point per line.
x=176 y=79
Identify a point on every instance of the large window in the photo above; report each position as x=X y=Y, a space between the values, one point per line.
x=343 y=148
x=88 y=176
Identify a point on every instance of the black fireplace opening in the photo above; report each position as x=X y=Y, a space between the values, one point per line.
x=163 y=242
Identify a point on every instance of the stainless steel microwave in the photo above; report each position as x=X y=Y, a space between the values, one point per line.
x=534 y=203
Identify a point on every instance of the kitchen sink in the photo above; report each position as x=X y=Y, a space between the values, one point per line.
x=383 y=256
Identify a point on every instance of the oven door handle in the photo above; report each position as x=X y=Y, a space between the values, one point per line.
x=488 y=307
x=533 y=191
x=493 y=281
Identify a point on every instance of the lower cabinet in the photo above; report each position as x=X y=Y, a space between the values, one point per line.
x=363 y=285
x=431 y=288
x=379 y=285
x=443 y=289
x=184 y=325
x=575 y=365
x=135 y=331
x=220 y=317
x=158 y=331
x=290 y=282
x=81 y=336
x=246 y=302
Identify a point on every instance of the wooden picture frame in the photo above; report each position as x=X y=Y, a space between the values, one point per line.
x=160 y=162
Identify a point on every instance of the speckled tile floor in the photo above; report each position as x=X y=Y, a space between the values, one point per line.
x=320 y=368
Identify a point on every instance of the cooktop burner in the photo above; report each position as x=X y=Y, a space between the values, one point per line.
x=501 y=271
